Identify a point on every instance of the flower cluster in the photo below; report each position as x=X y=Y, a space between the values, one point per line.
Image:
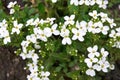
x=98 y=21
x=16 y=27
x=38 y=34
x=115 y=34
x=4 y=33
x=97 y=24
x=101 y=3
x=40 y=30
x=35 y=73
x=11 y=7
x=97 y=61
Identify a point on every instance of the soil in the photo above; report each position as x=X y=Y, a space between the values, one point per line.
x=11 y=66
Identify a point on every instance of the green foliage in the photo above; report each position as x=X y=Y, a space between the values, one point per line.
x=62 y=61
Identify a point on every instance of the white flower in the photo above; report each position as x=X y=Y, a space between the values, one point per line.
x=16 y=27
x=12 y=11
x=32 y=76
x=23 y=55
x=32 y=55
x=30 y=22
x=91 y=72
x=37 y=46
x=93 y=27
x=93 y=51
x=112 y=67
x=40 y=34
x=50 y=20
x=66 y=40
x=29 y=77
x=33 y=67
x=52 y=30
x=116 y=44
x=103 y=52
x=103 y=4
x=11 y=4
x=101 y=28
x=54 y=1
x=104 y=29
x=65 y=34
x=6 y=39
x=45 y=74
x=104 y=65
x=75 y=2
x=89 y=61
x=24 y=45
x=82 y=25
x=3 y=24
x=103 y=16
x=3 y=32
x=111 y=22
x=78 y=34
x=31 y=38
x=118 y=30
x=113 y=34
x=97 y=67
x=93 y=14
x=36 y=22
x=69 y=20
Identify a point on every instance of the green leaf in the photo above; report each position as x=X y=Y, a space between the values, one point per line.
x=73 y=74
x=58 y=69
x=41 y=8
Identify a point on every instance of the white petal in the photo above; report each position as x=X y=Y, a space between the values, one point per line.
x=95 y=48
x=81 y=38
x=87 y=60
x=95 y=60
x=66 y=17
x=54 y=26
x=64 y=41
x=89 y=49
x=104 y=32
x=74 y=30
x=56 y=32
x=97 y=67
x=68 y=41
x=97 y=54
x=72 y=17
x=105 y=70
x=92 y=73
x=74 y=37
x=47 y=73
x=91 y=55
x=47 y=32
x=88 y=72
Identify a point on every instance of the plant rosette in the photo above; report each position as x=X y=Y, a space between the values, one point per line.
x=71 y=48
